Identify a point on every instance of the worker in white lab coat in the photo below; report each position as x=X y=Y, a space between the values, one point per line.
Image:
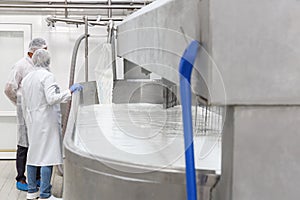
x=13 y=92
x=41 y=99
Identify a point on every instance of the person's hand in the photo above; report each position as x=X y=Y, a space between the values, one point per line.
x=76 y=87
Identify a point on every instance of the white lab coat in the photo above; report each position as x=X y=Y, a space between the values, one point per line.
x=41 y=98
x=12 y=91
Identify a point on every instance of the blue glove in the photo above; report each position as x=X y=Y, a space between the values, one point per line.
x=76 y=87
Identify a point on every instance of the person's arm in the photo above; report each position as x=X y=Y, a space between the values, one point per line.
x=52 y=91
x=12 y=85
x=23 y=105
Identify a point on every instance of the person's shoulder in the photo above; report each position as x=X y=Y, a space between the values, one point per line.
x=43 y=73
x=40 y=72
x=23 y=62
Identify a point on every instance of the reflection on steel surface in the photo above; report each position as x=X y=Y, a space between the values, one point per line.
x=133 y=151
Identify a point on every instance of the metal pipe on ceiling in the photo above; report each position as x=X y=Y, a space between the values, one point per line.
x=109 y=10
x=70 y=6
x=66 y=10
x=106 y=19
x=77 y=21
x=64 y=2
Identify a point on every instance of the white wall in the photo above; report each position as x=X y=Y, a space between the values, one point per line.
x=61 y=40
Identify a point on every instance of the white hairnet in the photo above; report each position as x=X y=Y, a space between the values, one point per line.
x=41 y=58
x=37 y=43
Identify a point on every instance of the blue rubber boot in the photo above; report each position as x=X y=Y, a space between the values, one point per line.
x=22 y=186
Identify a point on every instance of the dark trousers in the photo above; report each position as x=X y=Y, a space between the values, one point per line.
x=21 y=164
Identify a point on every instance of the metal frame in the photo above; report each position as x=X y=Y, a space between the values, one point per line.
x=65 y=2
x=93 y=7
x=52 y=20
x=68 y=8
x=86 y=49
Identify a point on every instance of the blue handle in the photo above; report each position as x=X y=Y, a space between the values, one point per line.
x=185 y=71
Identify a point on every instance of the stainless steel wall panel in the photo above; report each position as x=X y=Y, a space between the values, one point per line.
x=261 y=153
x=256 y=48
x=168 y=27
x=252 y=48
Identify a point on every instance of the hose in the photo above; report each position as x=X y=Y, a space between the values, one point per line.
x=71 y=80
x=185 y=71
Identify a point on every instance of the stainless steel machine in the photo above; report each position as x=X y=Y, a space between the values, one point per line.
x=134 y=150
x=247 y=64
